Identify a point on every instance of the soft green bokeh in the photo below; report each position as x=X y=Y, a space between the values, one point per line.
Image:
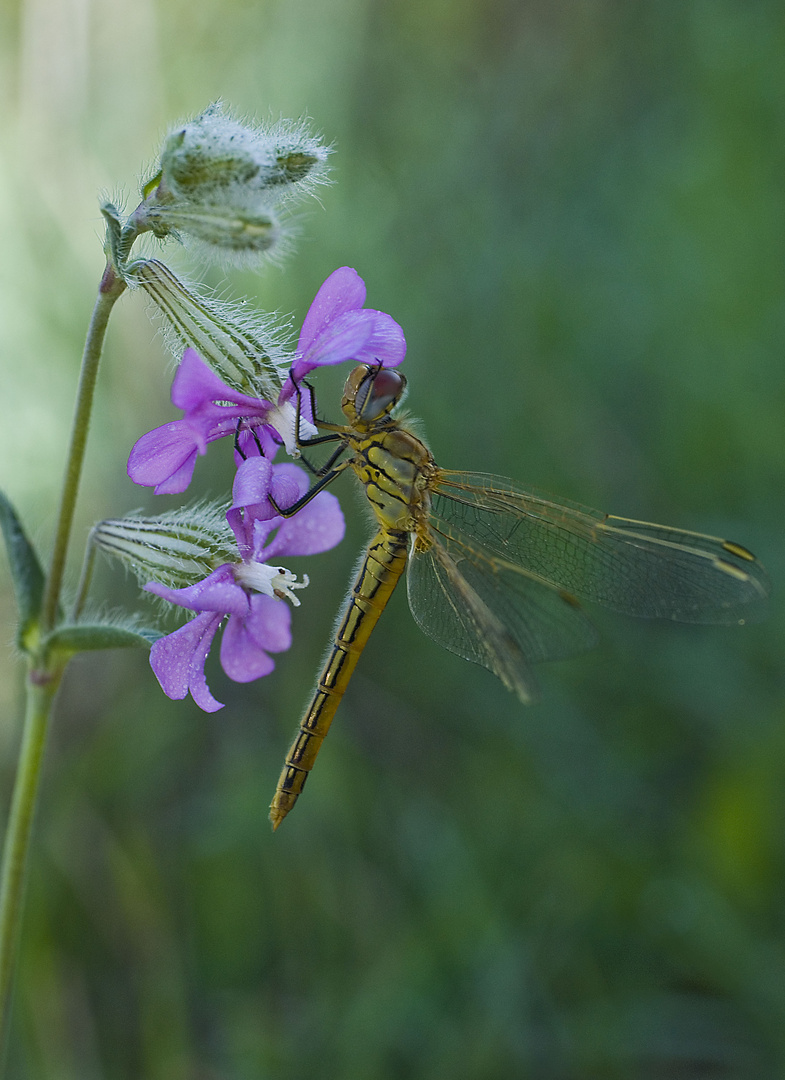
x=575 y=210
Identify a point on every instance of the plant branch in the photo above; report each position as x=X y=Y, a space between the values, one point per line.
x=111 y=288
x=42 y=687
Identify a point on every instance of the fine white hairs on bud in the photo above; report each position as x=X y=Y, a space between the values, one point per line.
x=236 y=236
x=176 y=549
x=243 y=346
x=221 y=183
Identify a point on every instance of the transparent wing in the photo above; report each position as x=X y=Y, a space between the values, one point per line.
x=628 y=566
x=493 y=613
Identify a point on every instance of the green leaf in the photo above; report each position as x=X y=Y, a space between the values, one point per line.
x=26 y=572
x=86 y=637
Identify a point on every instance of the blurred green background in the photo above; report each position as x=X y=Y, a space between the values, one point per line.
x=575 y=210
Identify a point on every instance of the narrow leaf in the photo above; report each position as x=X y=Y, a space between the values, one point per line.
x=28 y=577
x=84 y=637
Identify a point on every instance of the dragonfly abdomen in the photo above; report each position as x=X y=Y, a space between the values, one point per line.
x=379 y=573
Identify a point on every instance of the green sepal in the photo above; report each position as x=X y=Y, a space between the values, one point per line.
x=87 y=637
x=26 y=572
x=113 y=233
x=151 y=185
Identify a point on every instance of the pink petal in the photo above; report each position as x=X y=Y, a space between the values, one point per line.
x=218 y=592
x=164 y=458
x=178 y=661
x=243 y=658
x=270 y=623
x=194 y=383
x=318 y=527
x=343 y=290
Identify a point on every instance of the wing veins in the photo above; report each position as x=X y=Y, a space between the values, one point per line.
x=629 y=566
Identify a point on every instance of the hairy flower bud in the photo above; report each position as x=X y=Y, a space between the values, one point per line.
x=220 y=182
x=235 y=233
x=245 y=349
x=176 y=549
x=215 y=155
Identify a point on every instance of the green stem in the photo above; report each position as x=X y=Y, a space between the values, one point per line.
x=42 y=688
x=85 y=578
x=46 y=671
x=112 y=286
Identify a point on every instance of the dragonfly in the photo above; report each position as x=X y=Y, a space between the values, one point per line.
x=495 y=573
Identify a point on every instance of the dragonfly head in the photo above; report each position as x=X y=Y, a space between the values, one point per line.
x=371 y=393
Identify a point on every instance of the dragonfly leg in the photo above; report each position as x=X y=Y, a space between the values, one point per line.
x=322 y=482
x=335 y=429
x=254 y=434
x=320 y=470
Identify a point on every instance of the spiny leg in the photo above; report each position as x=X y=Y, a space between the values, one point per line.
x=290 y=511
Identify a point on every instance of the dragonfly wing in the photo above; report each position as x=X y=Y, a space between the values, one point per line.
x=629 y=566
x=493 y=613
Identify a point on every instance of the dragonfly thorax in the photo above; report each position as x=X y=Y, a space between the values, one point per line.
x=370 y=394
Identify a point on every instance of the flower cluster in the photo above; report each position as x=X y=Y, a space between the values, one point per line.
x=246 y=590
x=222 y=183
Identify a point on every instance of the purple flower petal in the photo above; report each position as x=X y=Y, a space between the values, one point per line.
x=338 y=328
x=270 y=623
x=252 y=482
x=164 y=458
x=178 y=661
x=218 y=592
x=386 y=345
x=256 y=440
x=195 y=385
x=343 y=290
x=318 y=527
x=255 y=481
x=246 y=642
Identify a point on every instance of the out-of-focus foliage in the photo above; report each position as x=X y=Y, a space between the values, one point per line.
x=575 y=210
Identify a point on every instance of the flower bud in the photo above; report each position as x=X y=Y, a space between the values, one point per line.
x=244 y=349
x=220 y=182
x=176 y=549
x=215 y=158
x=240 y=235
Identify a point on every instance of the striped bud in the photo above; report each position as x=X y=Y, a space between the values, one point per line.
x=245 y=349
x=176 y=549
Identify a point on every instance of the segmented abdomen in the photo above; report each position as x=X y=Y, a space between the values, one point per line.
x=381 y=569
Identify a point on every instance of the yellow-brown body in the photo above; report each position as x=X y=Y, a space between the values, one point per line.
x=394 y=466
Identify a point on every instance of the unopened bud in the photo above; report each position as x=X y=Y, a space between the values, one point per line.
x=215 y=158
x=176 y=549
x=238 y=233
x=220 y=182
x=244 y=348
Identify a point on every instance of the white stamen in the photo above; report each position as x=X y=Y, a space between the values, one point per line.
x=283 y=418
x=275 y=581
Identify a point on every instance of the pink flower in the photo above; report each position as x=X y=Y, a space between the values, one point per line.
x=165 y=458
x=338 y=327
x=247 y=593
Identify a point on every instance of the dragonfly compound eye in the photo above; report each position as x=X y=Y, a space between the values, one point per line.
x=378 y=393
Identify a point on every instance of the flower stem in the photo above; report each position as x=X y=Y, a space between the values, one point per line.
x=112 y=286
x=85 y=578
x=46 y=671
x=42 y=688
